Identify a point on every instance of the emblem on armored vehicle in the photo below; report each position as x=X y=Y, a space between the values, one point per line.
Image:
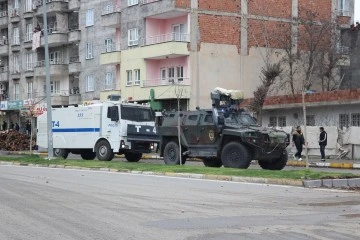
x=212 y=135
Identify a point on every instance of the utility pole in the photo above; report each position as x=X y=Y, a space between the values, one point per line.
x=178 y=95
x=47 y=83
x=305 y=132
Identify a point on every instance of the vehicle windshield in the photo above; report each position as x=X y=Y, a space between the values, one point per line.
x=137 y=114
x=240 y=119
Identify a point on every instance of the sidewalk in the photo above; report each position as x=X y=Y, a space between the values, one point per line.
x=329 y=163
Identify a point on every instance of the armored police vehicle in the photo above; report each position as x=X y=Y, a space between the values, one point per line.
x=100 y=130
x=224 y=135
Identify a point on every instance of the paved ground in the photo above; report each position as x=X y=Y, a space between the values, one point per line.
x=43 y=203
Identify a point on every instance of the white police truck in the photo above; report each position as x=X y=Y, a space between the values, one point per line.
x=100 y=130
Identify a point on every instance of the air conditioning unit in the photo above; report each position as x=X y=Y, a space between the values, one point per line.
x=2 y=87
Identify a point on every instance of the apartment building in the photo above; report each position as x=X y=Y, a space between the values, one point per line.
x=181 y=49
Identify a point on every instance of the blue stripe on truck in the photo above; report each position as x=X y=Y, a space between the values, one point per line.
x=76 y=129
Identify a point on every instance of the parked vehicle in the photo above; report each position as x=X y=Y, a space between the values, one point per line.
x=100 y=130
x=224 y=135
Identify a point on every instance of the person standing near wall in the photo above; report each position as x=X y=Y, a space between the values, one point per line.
x=298 y=141
x=322 y=143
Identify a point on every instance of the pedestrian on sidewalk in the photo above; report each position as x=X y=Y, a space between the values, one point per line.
x=298 y=140
x=322 y=143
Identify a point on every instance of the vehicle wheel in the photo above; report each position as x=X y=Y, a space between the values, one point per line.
x=61 y=153
x=103 y=151
x=276 y=164
x=133 y=157
x=88 y=155
x=212 y=162
x=171 y=154
x=235 y=155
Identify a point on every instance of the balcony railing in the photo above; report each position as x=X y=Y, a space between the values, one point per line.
x=142 y=2
x=344 y=13
x=4 y=69
x=169 y=37
x=342 y=50
x=74 y=59
x=113 y=47
x=56 y=61
x=14 y=12
x=110 y=86
x=108 y=9
x=166 y=82
x=4 y=42
x=4 y=13
x=29 y=37
x=38 y=3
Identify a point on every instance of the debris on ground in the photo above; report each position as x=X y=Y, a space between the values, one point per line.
x=12 y=140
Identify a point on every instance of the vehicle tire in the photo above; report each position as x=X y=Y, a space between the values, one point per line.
x=88 y=155
x=133 y=157
x=235 y=155
x=276 y=164
x=212 y=162
x=61 y=153
x=103 y=151
x=171 y=154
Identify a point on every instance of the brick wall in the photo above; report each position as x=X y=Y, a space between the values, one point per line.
x=322 y=8
x=183 y=3
x=272 y=8
x=219 y=29
x=232 y=6
x=269 y=34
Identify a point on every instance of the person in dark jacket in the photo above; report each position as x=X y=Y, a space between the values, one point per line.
x=17 y=127
x=298 y=141
x=4 y=126
x=322 y=143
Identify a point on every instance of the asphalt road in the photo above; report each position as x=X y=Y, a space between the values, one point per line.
x=45 y=203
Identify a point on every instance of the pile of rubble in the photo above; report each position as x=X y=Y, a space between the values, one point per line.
x=12 y=140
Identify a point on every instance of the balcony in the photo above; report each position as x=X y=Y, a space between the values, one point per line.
x=75 y=99
x=14 y=15
x=58 y=98
x=58 y=67
x=4 y=73
x=109 y=89
x=28 y=10
x=4 y=47
x=164 y=46
x=74 y=5
x=52 y=6
x=111 y=54
x=29 y=70
x=57 y=37
x=4 y=18
x=143 y=2
x=111 y=16
x=74 y=65
x=15 y=45
x=74 y=36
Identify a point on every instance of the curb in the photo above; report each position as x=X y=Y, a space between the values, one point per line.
x=273 y=181
x=333 y=183
x=324 y=165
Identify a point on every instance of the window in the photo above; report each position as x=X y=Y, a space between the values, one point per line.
x=109 y=80
x=273 y=122
x=129 y=78
x=282 y=121
x=108 y=8
x=89 y=17
x=133 y=2
x=137 y=77
x=179 y=32
x=209 y=119
x=163 y=75
x=344 y=7
x=343 y=120
x=28 y=62
x=89 y=83
x=192 y=120
x=16 y=91
x=180 y=73
x=55 y=87
x=29 y=32
x=16 y=4
x=16 y=36
x=29 y=88
x=108 y=45
x=16 y=65
x=171 y=74
x=355 y=119
x=55 y=57
x=28 y=5
x=133 y=37
x=89 y=51
x=310 y=120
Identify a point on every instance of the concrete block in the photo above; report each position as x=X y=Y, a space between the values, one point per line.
x=328 y=183
x=356 y=166
x=340 y=183
x=354 y=182
x=312 y=183
x=197 y=176
x=104 y=169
